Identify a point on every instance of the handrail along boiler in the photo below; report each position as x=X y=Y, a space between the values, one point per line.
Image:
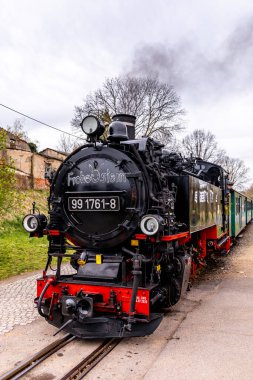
x=135 y=221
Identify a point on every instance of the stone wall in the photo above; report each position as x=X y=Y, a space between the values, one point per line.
x=30 y=167
x=53 y=154
x=39 y=164
x=21 y=159
x=14 y=142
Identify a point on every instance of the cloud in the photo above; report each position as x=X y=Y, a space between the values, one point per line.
x=203 y=71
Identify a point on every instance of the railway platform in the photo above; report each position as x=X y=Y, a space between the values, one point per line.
x=215 y=341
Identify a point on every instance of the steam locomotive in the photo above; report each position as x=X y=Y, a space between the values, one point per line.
x=135 y=221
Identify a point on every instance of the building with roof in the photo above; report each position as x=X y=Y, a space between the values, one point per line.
x=30 y=167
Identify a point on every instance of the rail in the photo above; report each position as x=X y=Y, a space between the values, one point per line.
x=78 y=372
x=27 y=365
x=82 y=368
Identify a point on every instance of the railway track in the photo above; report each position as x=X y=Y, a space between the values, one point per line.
x=78 y=372
x=27 y=365
x=82 y=368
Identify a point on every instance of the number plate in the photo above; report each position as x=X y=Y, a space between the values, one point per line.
x=93 y=204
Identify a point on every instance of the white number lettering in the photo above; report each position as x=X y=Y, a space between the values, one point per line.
x=87 y=204
x=113 y=204
x=83 y=204
x=97 y=204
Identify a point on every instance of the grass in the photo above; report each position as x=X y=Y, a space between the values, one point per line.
x=18 y=252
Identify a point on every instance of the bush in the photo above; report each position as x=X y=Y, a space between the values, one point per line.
x=7 y=176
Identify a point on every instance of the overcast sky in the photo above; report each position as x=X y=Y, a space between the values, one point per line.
x=54 y=52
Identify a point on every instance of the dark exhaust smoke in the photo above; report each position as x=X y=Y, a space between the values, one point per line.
x=211 y=72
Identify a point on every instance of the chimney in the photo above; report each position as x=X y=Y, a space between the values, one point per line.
x=129 y=121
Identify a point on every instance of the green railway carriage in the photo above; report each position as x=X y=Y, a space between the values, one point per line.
x=240 y=212
x=249 y=205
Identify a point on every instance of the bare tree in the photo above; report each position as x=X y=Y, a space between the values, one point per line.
x=66 y=144
x=237 y=171
x=17 y=129
x=174 y=146
x=249 y=191
x=155 y=105
x=202 y=144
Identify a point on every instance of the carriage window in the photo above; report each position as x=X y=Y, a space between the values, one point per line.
x=238 y=205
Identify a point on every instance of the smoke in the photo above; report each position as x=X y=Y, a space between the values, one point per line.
x=211 y=72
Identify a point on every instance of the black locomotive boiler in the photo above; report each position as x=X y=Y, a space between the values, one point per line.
x=134 y=221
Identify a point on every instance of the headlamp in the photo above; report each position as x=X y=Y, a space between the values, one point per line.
x=91 y=126
x=151 y=224
x=34 y=222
